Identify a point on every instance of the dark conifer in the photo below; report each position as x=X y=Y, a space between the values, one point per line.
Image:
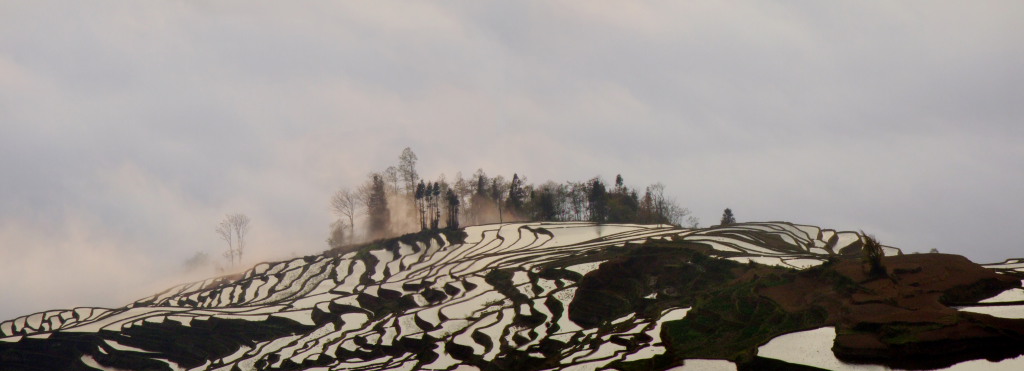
x=598 y=199
x=421 y=204
x=727 y=217
x=516 y=195
x=377 y=208
x=453 y=210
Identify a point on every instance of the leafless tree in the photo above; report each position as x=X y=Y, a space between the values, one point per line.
x=407 y=170
x=232 y=230
x=391 y=178
x=463 y=190
x=666 y=210
x=499 y=188
x=348 y=204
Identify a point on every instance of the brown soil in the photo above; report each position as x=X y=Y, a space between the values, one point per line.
x=906 y=319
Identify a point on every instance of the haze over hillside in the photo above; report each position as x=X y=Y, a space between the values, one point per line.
x=566 y=296
x=130 y=130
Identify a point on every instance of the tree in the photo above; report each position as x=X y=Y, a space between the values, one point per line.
x=430 y=203
x=407 y=169
x=453 y=209
x=516 y=195
x=727 y=217
x=347 y=204
x=480 y=200
x=623 y=206
x=577 y=198
x=498 y=188
x=547 y=203
x=377 y=207
x=337 y=238
x=435 y=205
x=655 y=207
x=232 y=230
x=421 y=204
x=872 y=254
x=391 y=178
x=598 y=201
x=464 y=190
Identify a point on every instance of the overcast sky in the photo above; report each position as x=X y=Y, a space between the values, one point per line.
x=128 y=129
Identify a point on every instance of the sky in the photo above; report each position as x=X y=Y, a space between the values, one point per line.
x=129 y=129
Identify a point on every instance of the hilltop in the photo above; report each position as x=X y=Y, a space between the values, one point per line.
x=574 y=296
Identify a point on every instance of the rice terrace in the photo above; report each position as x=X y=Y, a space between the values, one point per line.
x=596 y=185
x=566 y=296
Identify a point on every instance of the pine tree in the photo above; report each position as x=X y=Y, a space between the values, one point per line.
x=516 y=195
x=453 y=210
x=377 y=208
x=435 y=198
x=598 y=201
x=421 y=204
x=727 y=217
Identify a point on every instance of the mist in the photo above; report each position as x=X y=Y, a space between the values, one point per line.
x=130 y=130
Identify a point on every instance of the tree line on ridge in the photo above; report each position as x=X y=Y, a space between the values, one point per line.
x=398 y=200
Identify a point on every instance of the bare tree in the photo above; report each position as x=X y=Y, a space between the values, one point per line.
x=224 y=230
x=463 y=190
x=499 y=188
x=407 y=169
x=232 y=230
x=391 y=178
x=664 y=209
x=347 y=204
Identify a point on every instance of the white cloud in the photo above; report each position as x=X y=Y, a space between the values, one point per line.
x=66 y=265
x=129 y=130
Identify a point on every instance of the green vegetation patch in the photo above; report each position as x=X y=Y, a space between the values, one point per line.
x=675 y=273
x=732 y=322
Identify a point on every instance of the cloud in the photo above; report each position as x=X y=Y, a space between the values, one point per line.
x=67 y=265
x=131 y=129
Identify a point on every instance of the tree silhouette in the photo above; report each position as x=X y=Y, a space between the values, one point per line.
x=479 y=198
x=453 y=209
x=407 y=169
x=598 y=201
x=516 y=195
x=337 y=238
x=872 y=254
x=727 y=217
x=498 y=186
x=232 y=230
x=347 y=204
x=434 y=193
x=421 y=204
x=377 y=207
x=546 y=204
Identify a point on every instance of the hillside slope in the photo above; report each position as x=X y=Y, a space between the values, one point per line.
x=573 y=296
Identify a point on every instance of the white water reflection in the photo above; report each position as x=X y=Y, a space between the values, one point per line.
x=1005 y=296
x=705 y=365
x=812 y=348
x=1014 y=364
x=1008 y=311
